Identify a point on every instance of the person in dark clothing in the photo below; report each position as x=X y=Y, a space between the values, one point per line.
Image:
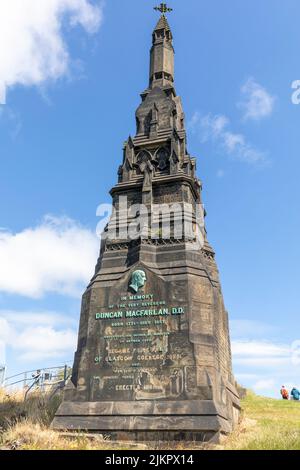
x=295 y=394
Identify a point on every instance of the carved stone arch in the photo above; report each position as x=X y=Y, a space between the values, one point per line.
x=142 y=159
x=143 y=156
x=162 y=157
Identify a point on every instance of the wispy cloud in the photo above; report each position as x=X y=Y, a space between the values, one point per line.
x=45 y=318
x=56 y=256
x=40 y=343
x=264 y=384
x=2 y=353
x=257 y=350
x=217 y=128
x=266 y=355
x=263 y=364
x=250 y=329
x=257 y=102
x=37 y=336
x=10 y=120
x=32 y=46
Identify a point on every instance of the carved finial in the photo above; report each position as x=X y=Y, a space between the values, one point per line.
x=163 y=8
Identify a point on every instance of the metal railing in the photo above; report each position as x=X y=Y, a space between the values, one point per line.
x=2 y=374
x=45 y=380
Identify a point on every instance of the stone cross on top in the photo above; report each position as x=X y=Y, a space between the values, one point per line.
x=163 y=8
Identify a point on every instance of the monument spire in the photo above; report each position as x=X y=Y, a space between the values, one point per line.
x=153 y=360
x=162 y=51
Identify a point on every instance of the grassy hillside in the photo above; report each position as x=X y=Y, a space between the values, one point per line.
x=266 y=425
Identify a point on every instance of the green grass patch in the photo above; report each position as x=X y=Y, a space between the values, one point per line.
x=268 y=424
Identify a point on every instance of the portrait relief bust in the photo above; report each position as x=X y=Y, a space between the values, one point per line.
x=138 y=280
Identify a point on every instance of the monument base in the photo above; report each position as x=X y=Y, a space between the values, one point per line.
x=189 y=420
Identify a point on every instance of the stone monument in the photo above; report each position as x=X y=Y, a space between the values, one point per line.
x=153 y=359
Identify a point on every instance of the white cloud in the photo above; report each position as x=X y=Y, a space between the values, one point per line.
x=40 y=343
x=217 y=129
x=37 y=336
x=261 y=362
x=5 y=330
x=258 y=103
x=2 y=355
x=28 y=318
x=242 y=376
x=254 y=349
x=264 y=365
x=32 y=47
x=263 y=385
x=242 y=328
x=56 y=256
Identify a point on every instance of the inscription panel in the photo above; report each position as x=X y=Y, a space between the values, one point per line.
x=142 y=350
x=138 y=356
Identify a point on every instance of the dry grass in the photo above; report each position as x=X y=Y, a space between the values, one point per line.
x=29 y=436
x=38 y=408
x=20 y=419
x=266 y=425
x=26 y=426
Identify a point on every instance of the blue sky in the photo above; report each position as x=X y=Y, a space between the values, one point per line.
x=68 y=105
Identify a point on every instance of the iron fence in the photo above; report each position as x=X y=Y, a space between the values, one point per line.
x=2 y=374
x=44 y=380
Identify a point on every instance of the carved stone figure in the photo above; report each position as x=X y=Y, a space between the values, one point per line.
x=147 y=169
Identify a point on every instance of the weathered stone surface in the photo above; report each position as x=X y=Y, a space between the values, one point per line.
x=186 y=407
x=153 y=351
x=144 y=423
